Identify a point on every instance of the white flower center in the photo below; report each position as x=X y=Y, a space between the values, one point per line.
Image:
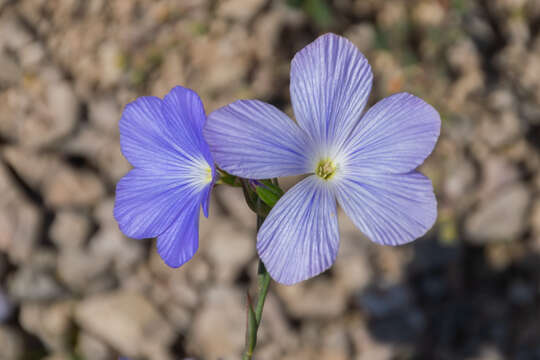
x=201 y=173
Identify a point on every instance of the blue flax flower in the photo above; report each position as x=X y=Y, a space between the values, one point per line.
x=366 y=163
x=173 y=175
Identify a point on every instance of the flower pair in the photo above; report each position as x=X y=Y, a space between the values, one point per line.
x=366 y=163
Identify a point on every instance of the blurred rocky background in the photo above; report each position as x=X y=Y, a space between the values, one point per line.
x=72 y=287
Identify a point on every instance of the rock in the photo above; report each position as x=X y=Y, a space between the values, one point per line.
x=335 y=343
x=365 y=7
x=497 y=172
x=111 y=245
x=110 y=58
x=464 y=57
x=351 y=269
x=69 y=229
x=535 y=217
x=42 y=112
x=128 y=322
x=178 y=287
x=239 y=10
x=32 y=167
x=235 y=206
x=92 y=348
x=173 y=72
x=179 y=316
x=101 y=150
x=530 y=111
x=506 y=7
x=305 y=353
x=83 y=271
x=178 y=290
x=389 y=72
x=275 y=326
x=72 y=188
x=268 y=352
x=501 y=217
x=11 y=344
x=320 y=298
x=428 y=14
x=500 y=130
x=51 y=323
x=487 y=352
x=459 y=179
x=389 y=263
x=14 y=35
x=63 y=106
x=199 y=271
x=467 y=85
x=393 y=314
x=84 y=268
x=19 y=221
x=391 y=14
x=32 y=56
x=110 y=160
x=267 y=30
x=366 y=347
x=104 y=114
x=103 y=214
x=6 y=308
x=362 y=35
x=34 y=283
x=219 y=326
x=58 y=356
x=521 y=293
x=233 y=68
x=229 y=249
x=382 y=302
x=10 y=72
x=501 y=99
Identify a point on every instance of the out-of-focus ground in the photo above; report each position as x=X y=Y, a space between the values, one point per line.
x=72 y=287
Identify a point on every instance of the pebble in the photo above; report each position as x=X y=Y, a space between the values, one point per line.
x=501 y=217
x=51 y=323
x=240 y=10
x=92 y=348
x=69 y=229
x=11 y=343
x=219 y=325
x=318 y=298
x=128 y=322
x=72 y=188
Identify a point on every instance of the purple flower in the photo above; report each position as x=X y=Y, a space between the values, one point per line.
x=173 y=175
x=364 y=162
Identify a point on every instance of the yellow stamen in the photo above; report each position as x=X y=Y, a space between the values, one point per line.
x=326 y=169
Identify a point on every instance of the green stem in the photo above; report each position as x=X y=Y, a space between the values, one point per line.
x=253 y=326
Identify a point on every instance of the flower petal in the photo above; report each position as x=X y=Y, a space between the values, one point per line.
x=180 y=242
x=253 y=139
x=160 y=134
x=146 y=204
x=330 y=84
x=185 y=117
x=299 y=239
x=395 y=135
x=390 y=209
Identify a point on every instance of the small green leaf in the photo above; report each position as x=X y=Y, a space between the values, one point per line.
x=269 y=193
x=252 y=327
x=227 y=179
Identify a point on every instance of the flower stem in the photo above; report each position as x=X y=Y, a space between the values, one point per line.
x=256 y=315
